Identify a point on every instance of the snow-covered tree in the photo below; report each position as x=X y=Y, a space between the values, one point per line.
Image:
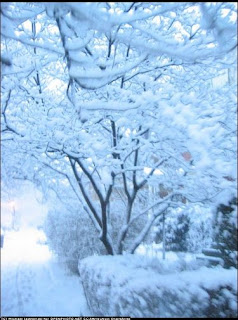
x=101 y=100
x=225 y=234
x=187 y=228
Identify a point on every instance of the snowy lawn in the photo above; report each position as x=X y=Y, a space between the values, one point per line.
x=32 y=281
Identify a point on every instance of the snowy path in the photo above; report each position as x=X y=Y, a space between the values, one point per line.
x=34 y=284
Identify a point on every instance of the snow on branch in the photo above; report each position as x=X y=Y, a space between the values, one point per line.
x=95 y=79
x=139 y=239
x=46 y=45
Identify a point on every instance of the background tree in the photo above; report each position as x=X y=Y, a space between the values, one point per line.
x=188 y=228
x=225 y=234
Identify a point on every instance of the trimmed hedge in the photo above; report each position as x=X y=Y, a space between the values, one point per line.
x=130 y=287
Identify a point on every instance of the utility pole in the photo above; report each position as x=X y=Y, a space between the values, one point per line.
x=163 y=235
x=14 y=218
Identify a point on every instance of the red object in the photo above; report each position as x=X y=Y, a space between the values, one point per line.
x=187 y=155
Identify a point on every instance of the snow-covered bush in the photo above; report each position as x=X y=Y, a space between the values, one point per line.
x=177 y=231
x=139 y=287
x=200 y=235
x=187 y=229
x=201 y=228
x=72 y=236
x=225 y=234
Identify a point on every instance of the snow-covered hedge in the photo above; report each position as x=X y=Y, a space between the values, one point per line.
x=72 y=236
x=135 y=286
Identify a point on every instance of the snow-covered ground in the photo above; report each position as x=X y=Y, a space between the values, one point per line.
x=32 y=281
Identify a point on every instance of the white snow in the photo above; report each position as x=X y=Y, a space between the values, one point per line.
x=96 y=96
x=32 y=281
x=139 y=286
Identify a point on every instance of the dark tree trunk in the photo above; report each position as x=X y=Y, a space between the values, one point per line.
x=107 y=245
